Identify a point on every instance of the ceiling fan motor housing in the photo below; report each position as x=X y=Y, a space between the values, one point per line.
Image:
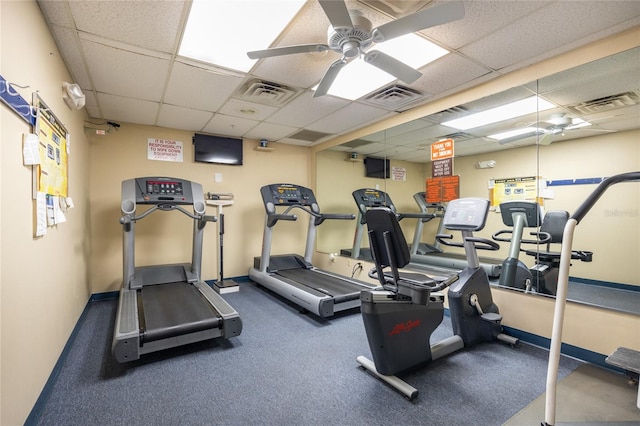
x=351 y=41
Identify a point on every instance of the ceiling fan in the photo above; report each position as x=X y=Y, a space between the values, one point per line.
x=351 y=35
x=559 y=123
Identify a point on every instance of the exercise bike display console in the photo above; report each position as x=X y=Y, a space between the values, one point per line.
x=409 y=307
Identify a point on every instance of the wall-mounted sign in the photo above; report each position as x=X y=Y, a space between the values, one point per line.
x=164 y=150
x=442 y=149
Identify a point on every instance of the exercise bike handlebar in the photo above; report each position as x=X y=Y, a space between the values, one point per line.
x=478 y=243
x=543 y=237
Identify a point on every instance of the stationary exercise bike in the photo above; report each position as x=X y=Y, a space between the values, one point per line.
x=409 y=307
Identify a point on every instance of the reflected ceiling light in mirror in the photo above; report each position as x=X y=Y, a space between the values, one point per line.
x=501 y=113
x=211 y=33
x=359 y=78
x=524 y=132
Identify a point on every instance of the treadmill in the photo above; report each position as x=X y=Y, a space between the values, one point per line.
x=293 y=276
x=491 y=265
x=164 y=306
x=369 y=198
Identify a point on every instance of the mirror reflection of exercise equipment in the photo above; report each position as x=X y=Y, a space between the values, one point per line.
x=409 y=307
x=164 y=306
x=543 y=276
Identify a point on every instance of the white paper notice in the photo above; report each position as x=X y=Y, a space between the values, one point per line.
x=30 y=151
x=41 y=214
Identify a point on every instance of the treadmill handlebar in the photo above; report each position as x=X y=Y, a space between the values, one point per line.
x=273 y=218
x=128 y=218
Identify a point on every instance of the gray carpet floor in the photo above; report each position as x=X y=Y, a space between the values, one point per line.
x=286 y=368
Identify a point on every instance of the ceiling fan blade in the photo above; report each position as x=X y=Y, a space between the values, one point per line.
x=391 y=65
x=287 y=50
x=329 y=77
x=336 y=11
x=431 y=17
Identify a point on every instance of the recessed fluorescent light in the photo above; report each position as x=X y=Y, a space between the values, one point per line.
x=359 y=78
x=524 y=132
x=501 y=113
x=221 y=32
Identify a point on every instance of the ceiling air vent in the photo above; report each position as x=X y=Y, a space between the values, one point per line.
x=393 y=97
x=606 y=103
x=309 y=135
x=459 y=136
x=267 y=93
x=447 y=114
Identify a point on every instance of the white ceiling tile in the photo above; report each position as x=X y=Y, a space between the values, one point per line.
x=57 y=12
x=150 y=24
x=270 y=132
x=448 y=72
x=175 y=117
x=124 y=73
x=352 y=116
x=66 y=40
x=571 y=21
x=244 y=109
x=118 y=108
x=481 y=18
x=306 y=109
x=199 y=88
x=226 y=125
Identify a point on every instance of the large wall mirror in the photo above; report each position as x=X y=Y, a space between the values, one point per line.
x=594 y=112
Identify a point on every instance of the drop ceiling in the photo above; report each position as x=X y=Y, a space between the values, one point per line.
x=123 y=54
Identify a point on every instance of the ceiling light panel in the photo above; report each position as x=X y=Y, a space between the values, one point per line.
x=222 y=32
x=500 y=113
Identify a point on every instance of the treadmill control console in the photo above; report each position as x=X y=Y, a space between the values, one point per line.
x=282 y=194
x=160 y=191
x=367 y=198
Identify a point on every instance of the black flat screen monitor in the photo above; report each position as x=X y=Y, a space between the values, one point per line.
x=377 y=167
x=217 y=149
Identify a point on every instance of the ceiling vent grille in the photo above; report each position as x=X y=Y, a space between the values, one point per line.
x=447 y=114
x=309 y=135
x=267 y=93
x=607 y=103
x=459 y=136
x=393 y=97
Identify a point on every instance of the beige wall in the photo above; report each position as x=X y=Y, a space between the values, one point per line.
x=165 y=237
x=339 y=178
x=44 y=281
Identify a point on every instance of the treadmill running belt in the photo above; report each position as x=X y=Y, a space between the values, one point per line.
x=175 y=309
x=341 y=290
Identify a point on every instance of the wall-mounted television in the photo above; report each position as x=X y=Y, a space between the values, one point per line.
x=377 y=167
x=217 y=149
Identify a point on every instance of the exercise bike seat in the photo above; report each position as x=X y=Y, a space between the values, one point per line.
x=553 y=224
x=389 y=248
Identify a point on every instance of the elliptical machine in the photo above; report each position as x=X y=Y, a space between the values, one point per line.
x=543 y=276
x=518 y=215
x=409 y=307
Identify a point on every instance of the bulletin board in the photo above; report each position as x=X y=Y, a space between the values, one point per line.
x=51 y=176
x=514 y=189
